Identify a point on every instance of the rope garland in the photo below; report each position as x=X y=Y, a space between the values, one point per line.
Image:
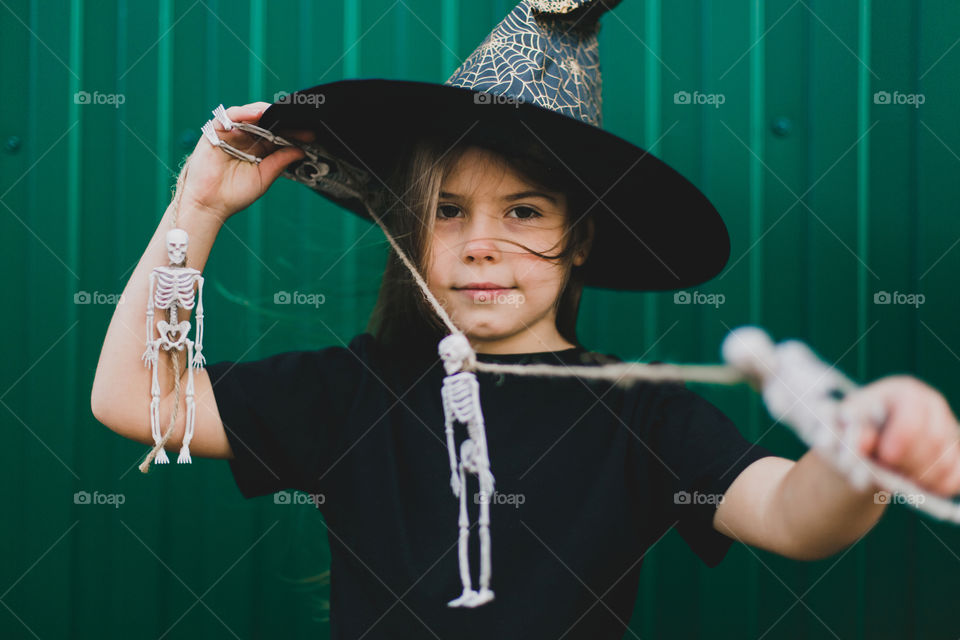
x=785 y=374
x=625 y=372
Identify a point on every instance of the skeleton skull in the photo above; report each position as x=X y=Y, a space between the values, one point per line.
x=176 y=245
x=454 y=350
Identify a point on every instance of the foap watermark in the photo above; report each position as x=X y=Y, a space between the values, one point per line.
x=698 y=297
x=297 y=297
x=482 y=97
x=87 y=498
x=885 y=497
x=896 y=98
x=514 y=499
x=685 y=497
x=96 y=297
x=898 y=297
x=299 y=497
x=285 y=97
x=516 y=299
x=712 y=99
x=112 y=99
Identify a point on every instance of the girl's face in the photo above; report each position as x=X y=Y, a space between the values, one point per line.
x=483 y=200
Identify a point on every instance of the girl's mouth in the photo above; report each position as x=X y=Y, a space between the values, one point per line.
x=485 y=295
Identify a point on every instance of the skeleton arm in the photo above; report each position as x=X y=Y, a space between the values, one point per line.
x=451 y=449
x=198 y=359
x=150 y=355
x=478 y=434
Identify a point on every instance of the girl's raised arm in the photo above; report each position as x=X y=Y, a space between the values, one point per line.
x=212 y=187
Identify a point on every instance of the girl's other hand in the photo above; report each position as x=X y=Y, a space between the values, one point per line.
x=920 y=437
x=223 y=185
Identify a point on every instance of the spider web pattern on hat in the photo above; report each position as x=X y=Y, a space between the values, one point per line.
x=545 y=53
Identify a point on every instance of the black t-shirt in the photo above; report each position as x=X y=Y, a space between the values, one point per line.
x=586 y=477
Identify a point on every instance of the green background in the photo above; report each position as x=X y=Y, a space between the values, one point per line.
x=829 y=198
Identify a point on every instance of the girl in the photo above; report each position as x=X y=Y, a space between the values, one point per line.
x=588 y=475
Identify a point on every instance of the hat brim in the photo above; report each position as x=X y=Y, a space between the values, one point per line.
x=654 y=230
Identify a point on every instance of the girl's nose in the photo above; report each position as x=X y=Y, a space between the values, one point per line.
x=480 y=244
x=481 y=250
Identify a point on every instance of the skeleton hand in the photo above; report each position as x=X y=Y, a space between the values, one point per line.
x=222 y=184
x=455 y=484
x=149 y=356
x=198 y=360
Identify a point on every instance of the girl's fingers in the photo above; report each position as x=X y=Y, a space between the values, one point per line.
x=869 y=436
x=250 y=143
x=303 y=135
x=273 y=165
x=247 y=112
x=864 y=409
x=275 y=158
x=262 y=147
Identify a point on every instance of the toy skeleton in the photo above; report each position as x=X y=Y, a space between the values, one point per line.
x=461 y=402
x=803 y=392
x=172 y=287
x=318 y=169
x=825 y=409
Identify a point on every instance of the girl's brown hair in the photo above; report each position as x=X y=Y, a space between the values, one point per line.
x=403 y=318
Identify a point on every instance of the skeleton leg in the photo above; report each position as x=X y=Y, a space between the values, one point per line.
x=486 y=484
x=184 y=457
x=155 y=413
x=468 y=594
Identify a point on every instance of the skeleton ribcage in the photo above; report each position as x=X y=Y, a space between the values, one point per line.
x=174 y=288
x=462 y=392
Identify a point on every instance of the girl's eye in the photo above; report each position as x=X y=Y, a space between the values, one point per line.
x=447 y=207
x=532 y=213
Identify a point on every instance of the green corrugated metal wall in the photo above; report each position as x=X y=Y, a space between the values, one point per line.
x=830 y=198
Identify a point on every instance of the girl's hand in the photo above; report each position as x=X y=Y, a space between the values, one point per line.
x=223 y=185
x=920 y=438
